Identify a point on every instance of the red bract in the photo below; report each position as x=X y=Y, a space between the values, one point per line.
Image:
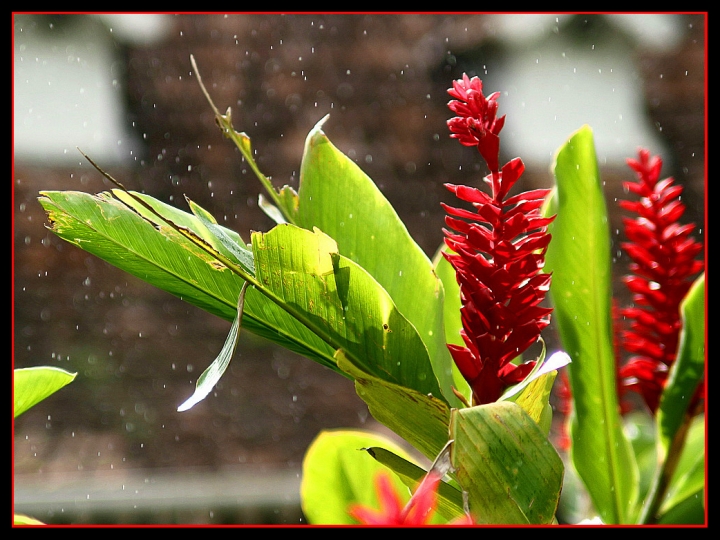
x=498 y=252
x=663 y=265
x=476 y=123
x=418 y=510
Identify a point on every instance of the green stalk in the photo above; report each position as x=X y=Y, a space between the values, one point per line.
x=664 y=473
x=242 y=141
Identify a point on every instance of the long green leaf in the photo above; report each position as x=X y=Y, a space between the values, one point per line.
x=451 y=315
x=687 y=371
x=421 y=419
x=21 y=519
x=124 y=233
x=580 y=261
x=337 y=197
x=34 y=384
x=210 y=377
x=366 y=227
x=512 y=473
x=340 y=302
x=449 y=497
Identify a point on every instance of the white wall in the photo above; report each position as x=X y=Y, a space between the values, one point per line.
x=551 y=86
x=68 y=87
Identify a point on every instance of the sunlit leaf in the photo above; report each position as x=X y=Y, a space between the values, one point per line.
x=210 y=377
x=420 y=419
x=689 y=368
x=127 y=235
x=502 y=458
x=34 y=384
x=581 y=291
x=20 y=519
x=337 y=472
x=340 y=302
x=337 y=197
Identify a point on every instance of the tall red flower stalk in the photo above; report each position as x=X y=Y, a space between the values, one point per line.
x=498 y=251
x=663 y=265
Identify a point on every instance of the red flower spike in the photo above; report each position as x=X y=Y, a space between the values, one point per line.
x=663 y=265
x=419 y=509
x=499 y=250
x=476 y=123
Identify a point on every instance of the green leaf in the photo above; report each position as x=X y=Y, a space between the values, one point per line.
x=449 y=497
x=421 y=419
x=337 y=472
x=451 y=315
x=685 y=496
x=32 y=385
x=338 y=198
x=688 y=370
x=512 y=473
x=340 y=302
x=20 y=519
x=580 y=261
x=126 y=234
x=210 y=377
x=533 y=393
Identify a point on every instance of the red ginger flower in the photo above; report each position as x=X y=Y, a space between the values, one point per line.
x=476 y=124
x=418 y=511
x=663 y=263
x=498 y=254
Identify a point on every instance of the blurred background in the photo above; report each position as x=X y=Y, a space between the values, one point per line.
x=110 y=447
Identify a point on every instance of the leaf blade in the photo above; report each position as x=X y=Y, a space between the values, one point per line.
x=339 y=301
x=579 y=258
x=34 y=384
x=520 y=470
x=146 y=247
x=210 y=377
x=369 y=232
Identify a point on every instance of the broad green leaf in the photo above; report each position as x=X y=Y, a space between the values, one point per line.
x=533 y=393
x=340 y=302
x=338 y=472
x=32 y=385
x=420 y=419
x=449 y=497
x=127 y=235
x=512 y=473
x=687 y=371
x=210 y=377
x=451 y=315
x=338 y=198
x=220 y=237
x=580 y=261
x=20 y=519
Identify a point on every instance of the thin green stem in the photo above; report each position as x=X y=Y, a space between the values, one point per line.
x=242 y=141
